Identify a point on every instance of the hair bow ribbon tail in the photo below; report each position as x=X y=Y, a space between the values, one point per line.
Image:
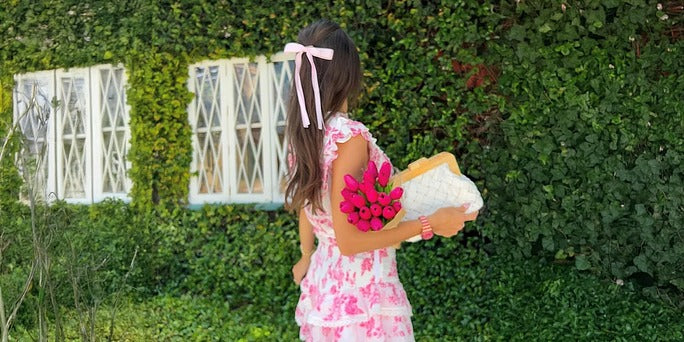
x=310 y=52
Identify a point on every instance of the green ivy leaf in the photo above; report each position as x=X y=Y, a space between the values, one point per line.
x=517 y=32
x=560 y=255
x=642 y=263
x=545 y=28
x=581 y=263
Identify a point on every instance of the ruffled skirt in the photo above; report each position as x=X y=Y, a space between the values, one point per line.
x=376 y=329
x=348 y=299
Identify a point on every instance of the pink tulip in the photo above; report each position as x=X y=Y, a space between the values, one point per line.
x=363 y=225
x=346 y=207
x=364 y=213
x=353 y=218
x=376 y=210
x=367 y=178
x=384 y=199
x=371 y=171
x=347 y=194
x=365 y=187
x=372 y=195
x=376 y=223
x=396 y=193
x=388 y=212
x=397 y=206
x=384 y=173
x=358 y=200
x=351 y=182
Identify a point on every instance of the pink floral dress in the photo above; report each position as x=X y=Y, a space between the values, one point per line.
x=350 y=298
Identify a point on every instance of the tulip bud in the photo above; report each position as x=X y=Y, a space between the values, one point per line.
x=346 y=207
x=371 y=171
x=384 y=173
x=365 y=187
x=353 y=218
x=388 y=212
x=351 y=183
x=396 y=193
x=364 y=213
x=358 y=200
x=372 y=195
x=376 y=223
x=347 y=194
x=376 y=210
x=367 y=178
x=397 y=206
x=384 y=199
x=363 y=225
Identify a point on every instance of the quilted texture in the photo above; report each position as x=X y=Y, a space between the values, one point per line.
x=437 y=188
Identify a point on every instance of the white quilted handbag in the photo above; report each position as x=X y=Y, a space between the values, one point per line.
x=430 y=184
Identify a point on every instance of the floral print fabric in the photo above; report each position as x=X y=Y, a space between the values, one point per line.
x=350 y=298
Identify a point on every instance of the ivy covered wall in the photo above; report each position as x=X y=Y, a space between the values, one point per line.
x=567 y=114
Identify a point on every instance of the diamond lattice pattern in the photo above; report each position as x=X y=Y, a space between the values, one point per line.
x=73 y=135
x=114 y=138
x=209 y=151
x=248 y=125
x=34 y=109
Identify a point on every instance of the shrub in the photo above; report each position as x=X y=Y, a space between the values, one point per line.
x=587 y=166
x=568 y=116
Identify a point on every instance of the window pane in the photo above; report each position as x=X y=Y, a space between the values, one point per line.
x=33 y=109
x=72 y=129
x=207 y=129
x=114 y=118
x=249 y=158
x=250 y=176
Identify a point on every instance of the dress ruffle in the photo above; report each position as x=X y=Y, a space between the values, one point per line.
x=376 y=329
x=346 y=307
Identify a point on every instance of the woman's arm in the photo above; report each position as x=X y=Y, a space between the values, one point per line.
x=306 y=235
x=352 y=158
x=306 y=246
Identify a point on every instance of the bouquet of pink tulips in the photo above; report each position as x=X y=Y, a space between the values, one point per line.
x=371 y=203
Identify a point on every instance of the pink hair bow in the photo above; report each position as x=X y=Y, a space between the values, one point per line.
x=310 y=52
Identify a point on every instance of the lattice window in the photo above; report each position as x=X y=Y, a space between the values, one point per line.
x=111 y=134
x=85 y=134
x=209 y=125
x=248 y=117
x=34 y=108
x=73 y=136
x=238 y=121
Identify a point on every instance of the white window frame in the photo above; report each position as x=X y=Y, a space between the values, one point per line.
x=92 y=123
x=222 y=93
x=98 y=142
x=47 y=77
x=227 y=104
x=60 y=123
x=279 y=153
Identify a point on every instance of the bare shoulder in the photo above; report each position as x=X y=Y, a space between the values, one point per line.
x=352 y=155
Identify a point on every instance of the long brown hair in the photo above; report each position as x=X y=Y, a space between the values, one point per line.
x=339 y=80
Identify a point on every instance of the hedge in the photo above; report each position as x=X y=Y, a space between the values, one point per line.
x=567 y=115
x=196 y=279
x=589 y=166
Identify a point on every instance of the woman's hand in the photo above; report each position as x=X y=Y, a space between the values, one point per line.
x=449 y=221
x=300 y=268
